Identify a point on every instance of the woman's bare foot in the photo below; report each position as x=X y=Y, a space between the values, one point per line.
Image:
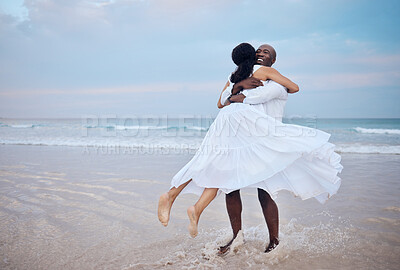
x=194 y=219
x=272 y=245
x=164 y=208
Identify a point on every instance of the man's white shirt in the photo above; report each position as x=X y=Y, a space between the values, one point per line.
x=271 y=98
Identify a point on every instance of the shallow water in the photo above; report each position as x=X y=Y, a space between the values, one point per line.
x=64 y=208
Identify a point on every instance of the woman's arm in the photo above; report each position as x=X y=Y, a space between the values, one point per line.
x=269 y=73
x=219 y=104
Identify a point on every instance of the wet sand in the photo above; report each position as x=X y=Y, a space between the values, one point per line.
x=76 y=208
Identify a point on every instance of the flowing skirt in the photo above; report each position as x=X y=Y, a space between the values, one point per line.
x=245 y=148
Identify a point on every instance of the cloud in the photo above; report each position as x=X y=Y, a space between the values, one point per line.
x=77 y=48
x=321 y=62
x=348 y=81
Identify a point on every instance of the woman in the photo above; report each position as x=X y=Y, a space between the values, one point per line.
x=244 y=147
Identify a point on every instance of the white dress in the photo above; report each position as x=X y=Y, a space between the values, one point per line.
x=246 y=148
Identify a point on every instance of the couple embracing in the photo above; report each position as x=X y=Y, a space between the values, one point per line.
x=248 y=146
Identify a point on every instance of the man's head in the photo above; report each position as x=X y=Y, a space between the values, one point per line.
x=266 y=55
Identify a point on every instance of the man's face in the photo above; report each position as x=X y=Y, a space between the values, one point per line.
x=265 y=55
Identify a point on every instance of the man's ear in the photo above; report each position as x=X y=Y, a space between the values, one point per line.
x=273 y=62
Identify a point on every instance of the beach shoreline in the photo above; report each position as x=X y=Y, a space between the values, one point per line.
x=62 y=207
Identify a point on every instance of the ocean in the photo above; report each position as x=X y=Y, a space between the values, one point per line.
x=184 y=133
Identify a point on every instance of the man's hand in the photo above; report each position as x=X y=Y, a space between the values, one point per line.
x=248 y=83
x=238 y=98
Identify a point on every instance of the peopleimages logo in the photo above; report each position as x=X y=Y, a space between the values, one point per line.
x=194 y=126
x=146 y=125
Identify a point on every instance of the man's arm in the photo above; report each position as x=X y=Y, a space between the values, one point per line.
x=249 y=83
x=259 y=95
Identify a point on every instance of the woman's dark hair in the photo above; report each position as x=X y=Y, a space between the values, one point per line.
x=244 y=56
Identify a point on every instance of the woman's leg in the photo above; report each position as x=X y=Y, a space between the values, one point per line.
x=195 y=211
x=166 y=200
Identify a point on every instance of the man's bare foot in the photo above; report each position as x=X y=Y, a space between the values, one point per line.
x=272 y=245
x=222 y=250
x=193 y=218
x=164 y=208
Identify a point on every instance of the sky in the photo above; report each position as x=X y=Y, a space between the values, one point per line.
x=70 y=58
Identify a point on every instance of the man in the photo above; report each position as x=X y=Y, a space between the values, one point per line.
x=272 y=97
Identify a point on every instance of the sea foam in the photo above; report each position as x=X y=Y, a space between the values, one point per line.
x=368 y=149
x=377 y=130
